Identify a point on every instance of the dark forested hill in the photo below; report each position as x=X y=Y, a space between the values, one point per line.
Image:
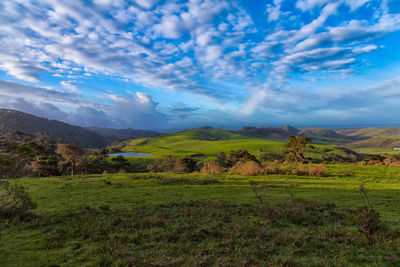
x=12 y=120
x=123 y=134
x=265 y=132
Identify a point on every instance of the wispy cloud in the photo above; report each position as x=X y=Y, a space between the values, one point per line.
x=192 y=46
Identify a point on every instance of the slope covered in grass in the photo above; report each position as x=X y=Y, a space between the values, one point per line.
x=378 y=142
x=209 y=142
x=169 y=219
x=371 y=132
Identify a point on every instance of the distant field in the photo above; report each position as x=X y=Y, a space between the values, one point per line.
x=374 y=150
x=188 y=143
x=187 y=219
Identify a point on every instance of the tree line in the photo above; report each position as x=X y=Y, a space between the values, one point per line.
x=25 y=155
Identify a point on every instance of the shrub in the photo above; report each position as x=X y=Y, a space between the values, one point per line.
x=395 y=164
x=248 y=168
x=295 y=169
x=44 y=166
x=166 y=165
x=241 y=155
x=260 y=191
x=268 y=157
x=14 y=200
x=368 y=222
x=318 y=170
x=6 y=167
x=185 y=165
x=120 y=163
x=367 y=218
x=212 y=167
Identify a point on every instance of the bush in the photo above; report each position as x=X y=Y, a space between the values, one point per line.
x=368 y=222
x=295 y=169
x=167 y=164
x=268 y=157
x=317 y=170
x=212 y=167
x=14 y=200
x=6 y=167
x=367 y=218
x=241 y=155
x=185 y=165
x=248 y=168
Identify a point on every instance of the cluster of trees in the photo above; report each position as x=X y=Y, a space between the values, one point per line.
x=24 y=155
x=240 y=161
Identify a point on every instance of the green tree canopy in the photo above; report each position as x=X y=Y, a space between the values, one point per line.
x=295 y=148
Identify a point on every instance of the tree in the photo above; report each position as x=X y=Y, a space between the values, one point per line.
x=6 y=167
x=44 y=166
x=97 y=161
x=14 y=200
x=295 y=148
x=23 y=154
x=120 y=163
x=72 y=155
x=240 y=155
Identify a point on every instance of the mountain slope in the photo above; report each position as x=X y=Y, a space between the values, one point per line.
x=319 y=132
x=12 y=120
x=265 y=132
x=370 y=132
x=123 y=134
x=377 y=142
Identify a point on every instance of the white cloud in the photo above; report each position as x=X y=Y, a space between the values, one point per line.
x=69 y=85
x=170 y=27
x=192 y=45
x=147 y=3
x=274 y=11
x=213 y=52
x=306 y=5
x=135 y=110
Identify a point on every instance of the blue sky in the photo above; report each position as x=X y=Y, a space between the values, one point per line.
x=157 y=64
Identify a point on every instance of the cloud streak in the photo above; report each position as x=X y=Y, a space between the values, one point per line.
x=200 y=47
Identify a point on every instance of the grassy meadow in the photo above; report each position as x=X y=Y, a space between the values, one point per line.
x=194 y=219
x=191 y=142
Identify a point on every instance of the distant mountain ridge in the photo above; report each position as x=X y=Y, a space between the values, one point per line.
x=12 y=120
x=95 y=137
x=123 y=134
x=286 y=131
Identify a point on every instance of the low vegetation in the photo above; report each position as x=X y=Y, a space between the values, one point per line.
x=194 y=219
x=236 y=207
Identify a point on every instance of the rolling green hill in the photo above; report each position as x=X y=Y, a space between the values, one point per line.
x=196 y=142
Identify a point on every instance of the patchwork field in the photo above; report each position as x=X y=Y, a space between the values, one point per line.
x=194 y=219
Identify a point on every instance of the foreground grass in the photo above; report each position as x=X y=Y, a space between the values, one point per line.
x=171 y=219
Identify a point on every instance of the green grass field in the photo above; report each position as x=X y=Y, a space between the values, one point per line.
x=198 y=220
x=189 y=143
x=374 y=150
